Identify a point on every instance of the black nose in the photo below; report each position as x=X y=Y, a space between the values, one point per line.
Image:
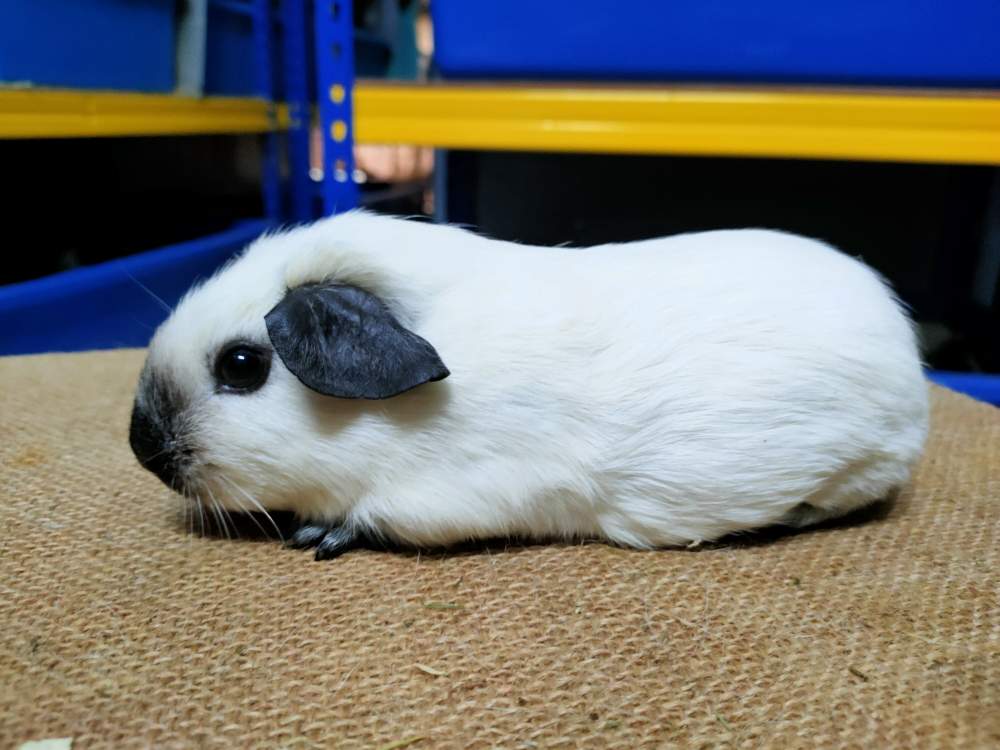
x=152 y=446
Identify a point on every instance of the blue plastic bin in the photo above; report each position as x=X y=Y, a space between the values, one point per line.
x=230 y=54
x=905 y=42
x=100 y=44
x=111 y=305
x=978 y=385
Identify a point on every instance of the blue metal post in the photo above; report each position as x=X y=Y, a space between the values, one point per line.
x=295 y=61
x=263 y=32
x=335 y=81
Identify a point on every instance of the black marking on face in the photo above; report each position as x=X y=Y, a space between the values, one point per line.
x=154 y=432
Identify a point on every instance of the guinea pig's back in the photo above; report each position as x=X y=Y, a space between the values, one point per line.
x=757 y=302
x=753 y=372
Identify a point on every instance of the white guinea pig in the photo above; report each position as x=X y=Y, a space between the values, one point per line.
x=420 y=383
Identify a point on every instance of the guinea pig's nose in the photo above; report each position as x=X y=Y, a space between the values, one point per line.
x=149 y=444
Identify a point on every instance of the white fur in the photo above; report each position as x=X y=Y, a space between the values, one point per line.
x=651 y=393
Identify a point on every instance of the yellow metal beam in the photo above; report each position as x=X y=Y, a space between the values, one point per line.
x=891 y=125
x=827 y=124
x=46 y=113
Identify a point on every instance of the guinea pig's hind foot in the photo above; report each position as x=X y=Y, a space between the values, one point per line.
x=805 y=514
x=329 y=541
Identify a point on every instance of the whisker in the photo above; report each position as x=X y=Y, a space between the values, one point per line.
x=223 y=515
x=223 y=521
x=245 y=511
x=145 y=325
x=150 y=292
x=256 y=504
x=217 y=518
x=201 y=516
x=201 y=513
x=215 y=515
x=155 y=455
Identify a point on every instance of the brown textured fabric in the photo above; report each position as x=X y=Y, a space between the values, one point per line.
x=121 y=630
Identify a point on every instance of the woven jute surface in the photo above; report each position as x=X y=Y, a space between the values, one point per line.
x=120 y=629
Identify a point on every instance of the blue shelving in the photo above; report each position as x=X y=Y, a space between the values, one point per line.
x=112 y=304
x=300 y=82
x=119 y=303
x=334 y=28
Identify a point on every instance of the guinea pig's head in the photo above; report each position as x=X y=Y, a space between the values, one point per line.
x=250 y=378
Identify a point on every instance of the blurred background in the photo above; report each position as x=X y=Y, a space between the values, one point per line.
x=144 y=141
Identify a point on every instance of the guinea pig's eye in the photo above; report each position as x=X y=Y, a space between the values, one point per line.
x=242 y=368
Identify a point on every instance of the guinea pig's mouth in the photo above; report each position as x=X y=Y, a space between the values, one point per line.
x=161 y=439
x=175 y=469
x=161 y=452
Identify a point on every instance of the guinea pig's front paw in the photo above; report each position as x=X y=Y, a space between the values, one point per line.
x=329 y=541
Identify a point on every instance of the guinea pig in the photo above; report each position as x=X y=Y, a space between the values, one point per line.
x=383 y=378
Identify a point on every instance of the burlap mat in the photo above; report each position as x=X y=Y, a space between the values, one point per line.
x=119 y=629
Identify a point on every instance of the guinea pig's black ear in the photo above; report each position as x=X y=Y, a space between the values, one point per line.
x=342 y=341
